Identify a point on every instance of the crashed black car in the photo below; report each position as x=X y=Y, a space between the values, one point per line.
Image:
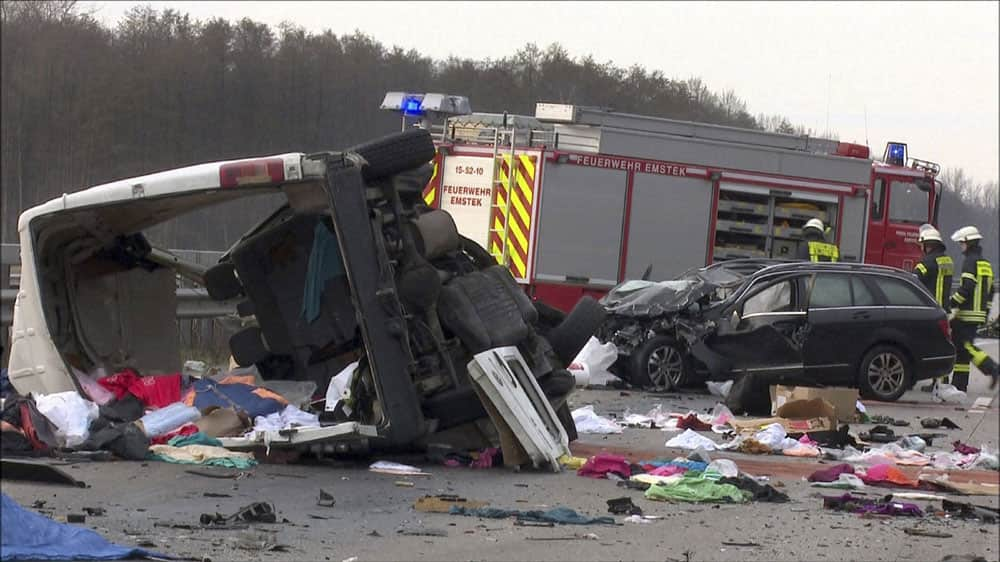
x=864 y=326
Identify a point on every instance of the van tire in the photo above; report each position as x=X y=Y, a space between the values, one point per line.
x=569 y=337
x=395 y=153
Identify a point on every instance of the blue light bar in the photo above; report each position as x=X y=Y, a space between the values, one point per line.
x=895 y=153
x=412 y=107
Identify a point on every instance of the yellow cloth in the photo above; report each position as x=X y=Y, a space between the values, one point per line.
x=572 y=462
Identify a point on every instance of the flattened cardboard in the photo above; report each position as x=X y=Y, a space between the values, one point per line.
x=797 y=416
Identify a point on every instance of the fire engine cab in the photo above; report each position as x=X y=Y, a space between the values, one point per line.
x=576 y=199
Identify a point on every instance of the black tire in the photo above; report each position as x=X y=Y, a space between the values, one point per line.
x=569 y=337
x=884 y=373
x=395 y=153
x=660 y=362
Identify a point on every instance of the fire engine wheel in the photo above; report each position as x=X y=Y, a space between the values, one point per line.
x=660 y=363
x=884 y=374
x=395 y=153
x=569 y=337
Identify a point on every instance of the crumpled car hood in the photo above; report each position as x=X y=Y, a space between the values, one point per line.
x=655 y=298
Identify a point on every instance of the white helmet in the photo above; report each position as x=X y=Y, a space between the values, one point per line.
x=929 y=234
x=814 y=223
x=966 y=234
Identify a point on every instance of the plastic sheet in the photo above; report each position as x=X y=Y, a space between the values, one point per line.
x=70 y=413
x=340 y=387
x=290 y=417
x=720 y=389
x=775 y=437
x=589 y=422
x=948 y=393
x=592 y=363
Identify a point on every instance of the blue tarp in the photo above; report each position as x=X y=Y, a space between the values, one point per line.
x=26 y=535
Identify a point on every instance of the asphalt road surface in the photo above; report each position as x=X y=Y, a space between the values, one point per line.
x=158 y=505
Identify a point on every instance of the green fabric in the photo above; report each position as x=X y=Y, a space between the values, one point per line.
x=697 y=487
x=224 y=462
x=560 y=515
x=194 y=439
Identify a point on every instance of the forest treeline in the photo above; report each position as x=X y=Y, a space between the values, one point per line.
x=84 y=103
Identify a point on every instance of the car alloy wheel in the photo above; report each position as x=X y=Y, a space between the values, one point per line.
x=665 y=367
x=886 y=373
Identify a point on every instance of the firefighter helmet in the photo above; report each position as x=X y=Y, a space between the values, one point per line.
x=929 y=234
x=814 y=223
x=966 y=234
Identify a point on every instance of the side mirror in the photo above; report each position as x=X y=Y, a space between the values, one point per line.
x=734 y=319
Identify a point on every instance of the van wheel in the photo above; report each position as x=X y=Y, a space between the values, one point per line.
x=884 y=373
x=395 y=153
x=660 y=362
x=569 y=337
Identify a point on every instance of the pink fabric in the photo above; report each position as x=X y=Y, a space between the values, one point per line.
x=154 y=391
x=598 y=466
x=667 y=470
x=485 y=459
x=887 y=474
x=806 y=440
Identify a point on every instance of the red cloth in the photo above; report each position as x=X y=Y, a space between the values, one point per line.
x=831 y=474
x=598 y=466
x=186 y=429
x=887 y=475
x=154 y=392
x=964 y=449
x=692 y=422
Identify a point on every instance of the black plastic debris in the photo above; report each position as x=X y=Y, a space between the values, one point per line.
x=36 y=471
x=326 y=499
x=964 y=510
x=623 y=506
x=257 y=512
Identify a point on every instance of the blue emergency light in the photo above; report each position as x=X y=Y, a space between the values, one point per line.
x=413 y=107
x=895 y=153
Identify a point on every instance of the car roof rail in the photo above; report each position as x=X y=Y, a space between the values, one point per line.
x=833 y=266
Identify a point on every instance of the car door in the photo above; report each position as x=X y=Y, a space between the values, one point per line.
x=843 y=313
x=766 y=332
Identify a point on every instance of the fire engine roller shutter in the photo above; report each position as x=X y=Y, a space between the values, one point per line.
x=852 y=230
x=580 y=224
x=668 y=226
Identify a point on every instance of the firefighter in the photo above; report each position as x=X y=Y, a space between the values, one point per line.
x=935 y=272
x=816 y=248
x=970 y=306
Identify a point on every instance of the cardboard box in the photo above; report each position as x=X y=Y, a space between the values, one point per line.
x=843 y=400
x=797 y=416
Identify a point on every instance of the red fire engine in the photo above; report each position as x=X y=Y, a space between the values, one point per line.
x=576 y=199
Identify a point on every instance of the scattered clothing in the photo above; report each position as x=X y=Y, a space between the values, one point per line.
x=255 y=401
x=598 y=466
x=691 y=421
x=572 y=463
x=668 y=470
x=25 y=535
x=71 y=415
x=196 y=438
x=28 y=430
x=203 y=455
x=759 y=492
x=753 y=447
x=125 y=409
x=588 y=422
x=845 y=481
x=887 y=475
x=831 y=474
x=558 y=515
x=965 y=449
x=125 y=440
x=288 y=418
x=696 y=487
x=186 y=429
x=154 y=391
x=855 y=504
x=692 y=440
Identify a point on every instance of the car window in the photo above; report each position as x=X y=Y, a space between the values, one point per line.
x=899 y=293
x=862 y=294
x=830 y=291
x=907 y=203
x=776 y=298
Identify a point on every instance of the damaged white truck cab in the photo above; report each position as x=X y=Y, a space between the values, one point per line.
x=351 y=264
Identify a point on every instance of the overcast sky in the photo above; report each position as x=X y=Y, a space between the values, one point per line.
x=926 y=72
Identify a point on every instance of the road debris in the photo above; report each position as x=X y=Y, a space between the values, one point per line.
x=326 y=499
x=926 y=533
x=444 y=503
